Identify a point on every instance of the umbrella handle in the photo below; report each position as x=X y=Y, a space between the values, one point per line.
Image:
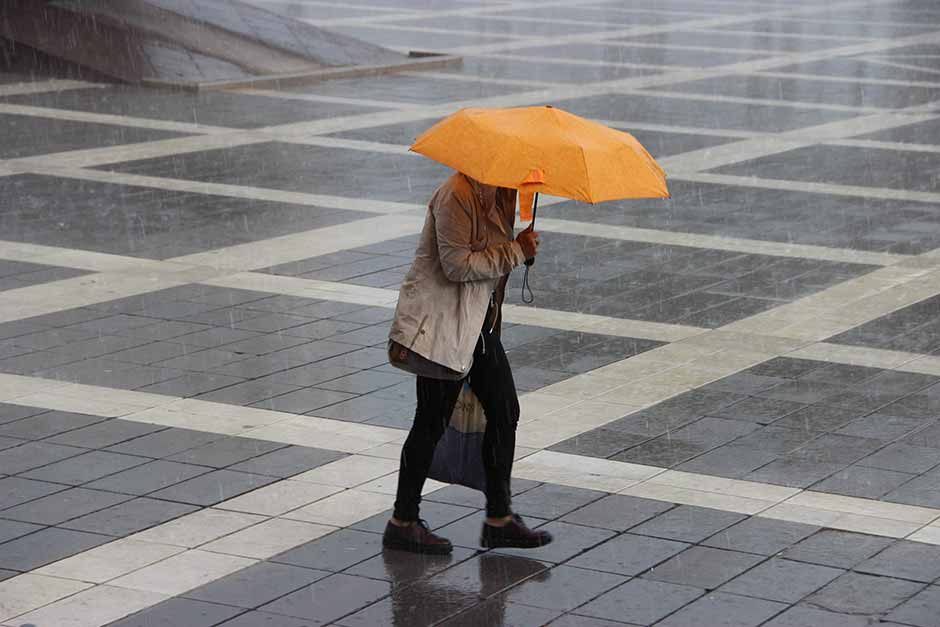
x=535 y=210
x=530 y=298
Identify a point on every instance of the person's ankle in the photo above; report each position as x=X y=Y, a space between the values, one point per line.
x=401 y=523
x=500 y=521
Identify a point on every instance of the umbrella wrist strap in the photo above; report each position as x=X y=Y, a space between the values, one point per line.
x=527 y=296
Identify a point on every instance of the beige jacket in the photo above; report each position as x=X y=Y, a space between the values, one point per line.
x=466 y=247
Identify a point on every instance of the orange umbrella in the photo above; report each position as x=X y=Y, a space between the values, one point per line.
x=547 y=150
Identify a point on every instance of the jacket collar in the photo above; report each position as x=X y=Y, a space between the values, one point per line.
x=498 y=203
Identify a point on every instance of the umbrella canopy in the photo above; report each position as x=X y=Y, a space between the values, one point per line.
x=547 y=150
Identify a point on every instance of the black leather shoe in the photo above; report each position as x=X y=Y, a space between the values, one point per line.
x=416 y=538
x=514 y=534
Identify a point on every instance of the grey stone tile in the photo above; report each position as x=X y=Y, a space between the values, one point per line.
x=746 y=383
x=149 y=478
x=688 y=523
x=45 y=546
x=191 y=384
x=782 y=580
x=248 y=393
x=256 y=585
x=364 y=382
x=842 y=374
x=105 y=434
x=905 y=560
x=266 y=619
x=760 y=410
x=855 y=593
x=836 y=449
x=599 y=443
x=801 y=391
x=663 y=452
x=726 y=609
x=179 y=613
x=165 y=443
x=817 y=418
x=763 y=536
x=457 y=495
x=17 y=490
x=212 y=487
x=401 y=569
x=569 y=540
x=920 y=610
x=84 y=468
x=33 y=455
x=923 y=491
x=437 y=515
x=331 y=598
x=774 y=439
x=152 y=353
x=800 y=616
x=11 y=529
x=640 y=602
x=59 y=507
x=553 y=501
x=288 y=461
x=704 y=567
x=166 y=330
x=129 y=517
x=729 y=460
x=310 y=374
x=46 y=425
x=616 y=512
x=322 y=329
x=871 y=483
x=368 y=407
x=496 y=610
x=225 y=452
x=10 y=412
x=901 y=457
x=793 y=473
x=578 y=620
x=840 y=549
x=334 y=552
x=205 y=360
x=271 y=323
x=628 y=554
x=565 y=588
x=211 y=337
x=881 y=427
x=928 y=436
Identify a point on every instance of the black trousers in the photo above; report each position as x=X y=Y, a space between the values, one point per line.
x=491 y=380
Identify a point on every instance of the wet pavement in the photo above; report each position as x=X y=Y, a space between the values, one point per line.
x=730 y=398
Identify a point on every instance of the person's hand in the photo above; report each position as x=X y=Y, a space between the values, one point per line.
x=529 y=241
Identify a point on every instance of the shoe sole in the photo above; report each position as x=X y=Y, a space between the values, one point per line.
x=512 y=545
x=424 y=549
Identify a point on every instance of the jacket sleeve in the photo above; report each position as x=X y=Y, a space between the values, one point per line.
x=453 y=223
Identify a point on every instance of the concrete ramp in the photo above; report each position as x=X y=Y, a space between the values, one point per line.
x=195 y=44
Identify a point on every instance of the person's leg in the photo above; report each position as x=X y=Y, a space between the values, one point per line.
x=436 y=401
x=492 y=382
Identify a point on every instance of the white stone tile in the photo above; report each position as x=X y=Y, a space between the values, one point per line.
x=537 y=404
x=642 y=394
x=173 y=417
x=124 y=397
x=198 y=528
x=27 y=592
x=389 y=485
x=685 y=496
x=799 y=514
x=111 y=560
x=385 y=451
x=308 y=288
x=329 y=434
x=929 y=535
x=865 y=507
x=344 y=508
x=268 y=538
x=13 y=386
x=94 y=607
x=183 y=572
x=721 y=485
x=351 y=471
x=92 y=406
x=278 y=498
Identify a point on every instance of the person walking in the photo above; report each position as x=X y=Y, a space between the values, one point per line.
x=447 y=330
